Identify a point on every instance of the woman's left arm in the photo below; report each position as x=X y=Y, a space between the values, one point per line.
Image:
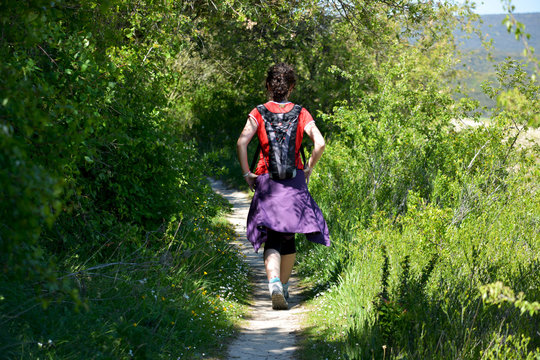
x=318 y=147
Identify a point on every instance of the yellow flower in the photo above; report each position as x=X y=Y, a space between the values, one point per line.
x=205 y=273
x=135 y=324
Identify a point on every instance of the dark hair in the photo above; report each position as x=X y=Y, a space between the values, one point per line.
x=279 y=80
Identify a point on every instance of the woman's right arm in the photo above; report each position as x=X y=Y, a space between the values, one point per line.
x=250 y=129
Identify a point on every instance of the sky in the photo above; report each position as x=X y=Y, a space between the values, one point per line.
x=484 y=7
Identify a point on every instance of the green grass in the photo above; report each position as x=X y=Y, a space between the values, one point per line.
x=179 y=296
x=426 y=313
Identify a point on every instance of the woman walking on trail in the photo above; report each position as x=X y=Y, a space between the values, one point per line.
x=281 y=205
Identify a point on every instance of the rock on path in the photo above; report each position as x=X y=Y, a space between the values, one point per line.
x=265 y=334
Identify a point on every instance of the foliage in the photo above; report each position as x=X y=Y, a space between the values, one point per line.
x=497 y=294
x=451 y=206
x=84 y=140
x=517 y=94
x=510 y=347
x=517 y=28
x=95 y=166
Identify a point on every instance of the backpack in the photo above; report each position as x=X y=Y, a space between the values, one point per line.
x=281 y=131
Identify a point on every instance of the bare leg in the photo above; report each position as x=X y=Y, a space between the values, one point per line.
x=287 y=263
x=272 y=261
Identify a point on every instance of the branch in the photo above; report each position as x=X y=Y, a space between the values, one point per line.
x=148 y=53
x=11 y=317
x=54 y=62
x=474 y=157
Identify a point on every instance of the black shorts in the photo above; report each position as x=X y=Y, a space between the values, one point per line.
x=283 y=243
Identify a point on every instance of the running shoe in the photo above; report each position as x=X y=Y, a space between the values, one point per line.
x=278 y=300
x=286 y=290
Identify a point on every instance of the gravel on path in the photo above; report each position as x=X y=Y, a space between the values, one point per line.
x=265 y=334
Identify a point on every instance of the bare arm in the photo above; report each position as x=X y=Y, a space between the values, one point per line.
x=241 y=150
x=318 y=148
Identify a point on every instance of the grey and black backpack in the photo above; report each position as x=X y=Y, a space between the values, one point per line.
x=281 y=132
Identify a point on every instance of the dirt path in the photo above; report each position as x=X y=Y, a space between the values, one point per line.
x=266 y=333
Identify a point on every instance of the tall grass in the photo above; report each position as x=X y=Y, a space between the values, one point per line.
x=428 y=303
x=422 y=218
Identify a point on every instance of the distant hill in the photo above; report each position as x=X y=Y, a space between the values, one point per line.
x=503 y=41
x=475 y=62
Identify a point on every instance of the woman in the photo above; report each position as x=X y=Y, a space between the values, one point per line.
x=281 y=208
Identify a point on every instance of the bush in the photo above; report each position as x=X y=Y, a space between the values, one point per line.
x=451 y=209
x=96 y=170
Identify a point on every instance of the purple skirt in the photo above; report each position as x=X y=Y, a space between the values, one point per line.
x=285 y=206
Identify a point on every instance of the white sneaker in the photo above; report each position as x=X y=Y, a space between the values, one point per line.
x=278 y=300
x=272 y=285
x=286 y=290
